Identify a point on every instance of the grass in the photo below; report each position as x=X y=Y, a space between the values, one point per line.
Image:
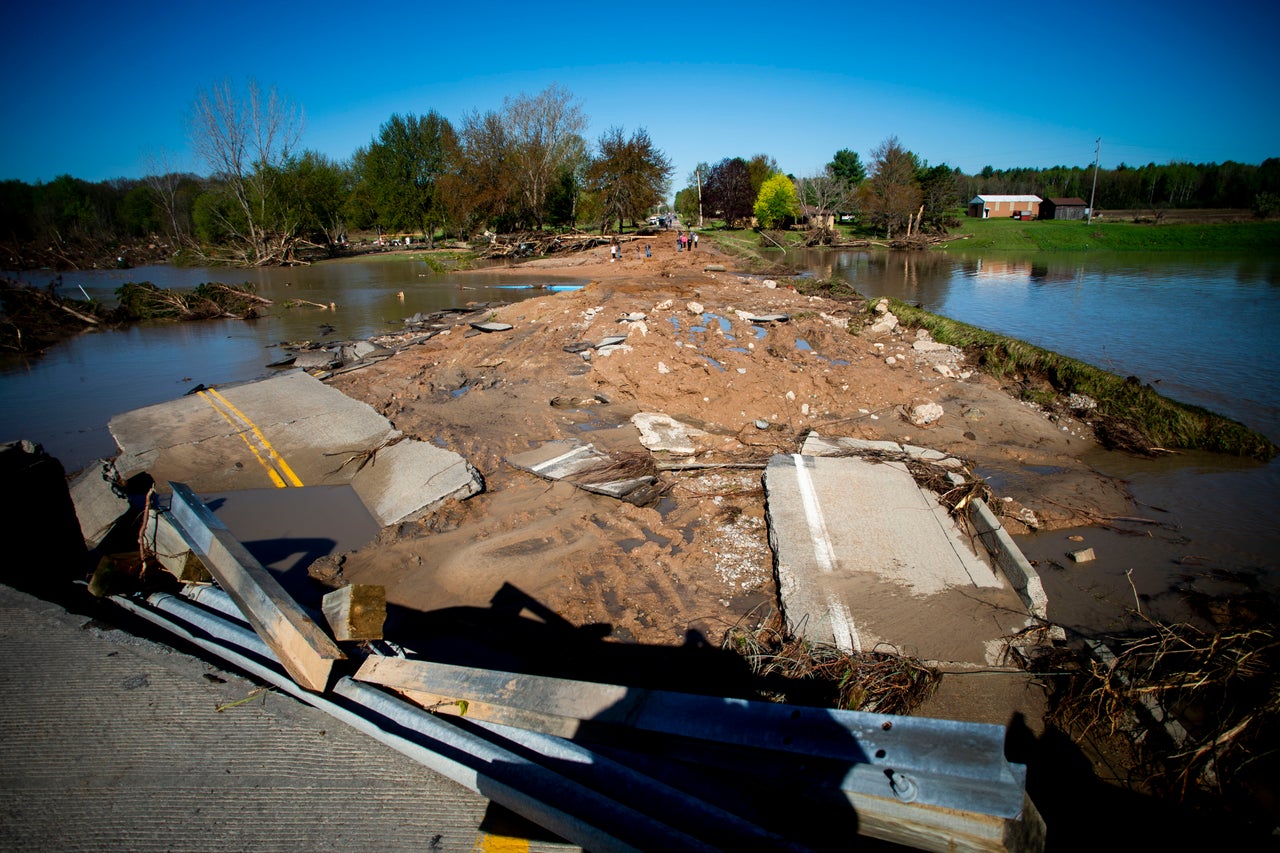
x=1129 y=414
x=1010 y=235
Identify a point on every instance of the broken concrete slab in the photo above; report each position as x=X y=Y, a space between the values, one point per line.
x=289 y=431
x=99 y=503
x=867 y=559
x=586 y=467
x=1000 y=547
x=410 y=478
x=663 y=433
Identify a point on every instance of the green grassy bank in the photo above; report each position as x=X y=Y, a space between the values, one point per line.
x=1009 y=235
x=1129 y=415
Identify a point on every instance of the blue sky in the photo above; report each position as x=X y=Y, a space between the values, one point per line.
x=102 y=90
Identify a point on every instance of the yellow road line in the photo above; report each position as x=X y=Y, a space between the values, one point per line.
x=487 y=843
x=275 y=457
x=244 y=424
x=271 y=472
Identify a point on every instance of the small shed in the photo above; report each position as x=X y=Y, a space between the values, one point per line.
x=815 y=218
x=1064 y=208
x=1005 y=206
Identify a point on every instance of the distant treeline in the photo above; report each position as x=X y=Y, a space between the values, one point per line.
x=523 y=167
x=1172 y=185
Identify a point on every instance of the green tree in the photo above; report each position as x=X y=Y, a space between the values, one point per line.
x=939 y=194
x=846 y=167
x=776 y=201
x=402 y=169
x=761 y=167
x=687 y=204
x=891 y=195
x=628 y=175
x=312 y=198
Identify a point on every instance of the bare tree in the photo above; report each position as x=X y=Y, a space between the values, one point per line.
x=165 y=182
x=246 y=139
x=544 y=132
x=826 y=193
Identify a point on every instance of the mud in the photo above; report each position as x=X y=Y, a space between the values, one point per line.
x=696 y=562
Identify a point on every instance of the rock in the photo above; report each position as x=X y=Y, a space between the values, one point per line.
x=662 y=368
x=891 y=361
x=926 y=413
x=769 y=283
x=664 y=305
x=695 y=307
x=1084 y=555
x=1081 y=403
x=886 y=324
x=882 y=307
x=973 y=413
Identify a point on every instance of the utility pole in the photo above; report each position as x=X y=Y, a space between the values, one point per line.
x=697 y=170
x=1094 y=192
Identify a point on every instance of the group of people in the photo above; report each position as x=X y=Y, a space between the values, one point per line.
x=687 y=241
x=615 y=252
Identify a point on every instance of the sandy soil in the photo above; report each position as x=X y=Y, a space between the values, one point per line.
x=682 y=571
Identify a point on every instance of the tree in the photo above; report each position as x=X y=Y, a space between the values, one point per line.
x=826 y=193
x=939 y=193
x=727 y=191
x=687 y=204
x=543 y=132
x=244 y=139
x=891 y=196
x=312 y=195
x=629 y=175
x=846 y=167
x=403 y=167
x=776 y=201
x=761 y=167
x=488 y=186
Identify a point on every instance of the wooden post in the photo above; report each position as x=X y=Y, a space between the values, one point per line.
x=356 y=612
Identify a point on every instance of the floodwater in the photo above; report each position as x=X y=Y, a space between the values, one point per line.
x=1200 y=329
x=64 y=398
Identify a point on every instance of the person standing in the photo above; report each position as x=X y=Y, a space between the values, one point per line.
x=693 y=241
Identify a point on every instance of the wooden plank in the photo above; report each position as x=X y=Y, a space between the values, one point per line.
x=301 y=646
x=356 y=611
